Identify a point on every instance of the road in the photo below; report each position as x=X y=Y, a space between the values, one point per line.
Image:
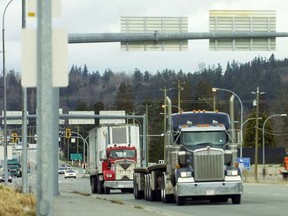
x=258 y=199
x=75 y=197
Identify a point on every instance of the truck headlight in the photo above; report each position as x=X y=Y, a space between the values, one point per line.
x=185 y=174
x=232 y=172
x=109 y=175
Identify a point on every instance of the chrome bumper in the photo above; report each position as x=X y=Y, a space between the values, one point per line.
x=208 y=188
x=118 y=184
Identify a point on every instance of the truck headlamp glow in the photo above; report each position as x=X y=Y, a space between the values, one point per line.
x=232 y=172
x=185 y=174
x=109 y=175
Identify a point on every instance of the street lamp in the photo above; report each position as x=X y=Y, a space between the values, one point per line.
x=241 y=148
x=180 y=110
x=4 y=98
x=241 y=111
x=263 y=139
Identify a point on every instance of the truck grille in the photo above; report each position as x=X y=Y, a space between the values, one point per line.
x=209 y=164
x=124 y=169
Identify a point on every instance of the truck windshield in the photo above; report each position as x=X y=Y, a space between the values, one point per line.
x=122 y=153
x=203 y=138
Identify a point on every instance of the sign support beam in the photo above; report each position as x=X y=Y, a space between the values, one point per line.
x=157 y=37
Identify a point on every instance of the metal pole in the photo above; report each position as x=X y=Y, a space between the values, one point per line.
x=263 y=139
x=158 y=37
x=241 y=113
x=144 y=140
x=84 y=152
x=242 y=130
x=5 y=95
x=147 y=132
x=256 y=136
x=45 y=133
x=24 y=120
x=165 y=114
x=84 y=142
x=55 y=135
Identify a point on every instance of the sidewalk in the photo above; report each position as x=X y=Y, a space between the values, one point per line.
x=68 y=204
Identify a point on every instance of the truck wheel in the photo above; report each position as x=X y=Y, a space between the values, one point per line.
x=165 y=198
x=153 y=195
x=100 y=186
x=106 y=190
x=236 y=199
x=180 y=200
x=137 y=193
x=93 y=185
x=147 y=189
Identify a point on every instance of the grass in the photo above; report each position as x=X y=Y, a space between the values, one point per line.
x=13 y=202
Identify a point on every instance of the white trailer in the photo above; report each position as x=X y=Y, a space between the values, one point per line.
x=114 y=153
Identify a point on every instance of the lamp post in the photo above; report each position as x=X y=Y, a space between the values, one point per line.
x=241 y=109
x=5 y=92
x=263 y=138
x=179 y=108
x=241 y=148
x=84 y=143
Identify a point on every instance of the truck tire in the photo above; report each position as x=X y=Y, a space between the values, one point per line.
x=147 y=195
x=137 y=193
x=93 y=185
x=100 y=186
x=106 y=190
x=180 y=200
x=165 y=198
x=236 y=199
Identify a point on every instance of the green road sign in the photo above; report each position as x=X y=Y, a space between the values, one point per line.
x=75 y=156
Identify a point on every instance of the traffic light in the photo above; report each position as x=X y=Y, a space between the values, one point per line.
x=68 y=133
x=14 y=137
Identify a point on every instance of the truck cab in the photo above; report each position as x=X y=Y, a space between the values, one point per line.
x=199 y=161
x=115 y=153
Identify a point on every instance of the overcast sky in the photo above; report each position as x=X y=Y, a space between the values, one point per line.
x=100 y=16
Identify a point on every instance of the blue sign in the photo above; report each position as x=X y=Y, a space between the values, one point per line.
x=75 y=156
x=244 y=163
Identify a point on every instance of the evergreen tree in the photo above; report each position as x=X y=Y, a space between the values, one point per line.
x=124 y=99
x=249 y=131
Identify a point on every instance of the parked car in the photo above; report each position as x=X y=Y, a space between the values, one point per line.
x=70 y=174
x=2 y=177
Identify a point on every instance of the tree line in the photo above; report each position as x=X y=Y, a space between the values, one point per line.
x=143 y=91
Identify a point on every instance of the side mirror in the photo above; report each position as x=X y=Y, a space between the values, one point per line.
x=103 y=155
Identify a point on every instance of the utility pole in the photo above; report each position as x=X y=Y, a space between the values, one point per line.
x=258 y=93
x=179 y=87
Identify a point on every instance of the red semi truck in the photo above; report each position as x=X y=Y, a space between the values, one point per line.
x=114 y=153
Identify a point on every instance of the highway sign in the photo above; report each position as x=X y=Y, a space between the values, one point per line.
x=139 y=25
x=75 y=156
x=242 y=21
